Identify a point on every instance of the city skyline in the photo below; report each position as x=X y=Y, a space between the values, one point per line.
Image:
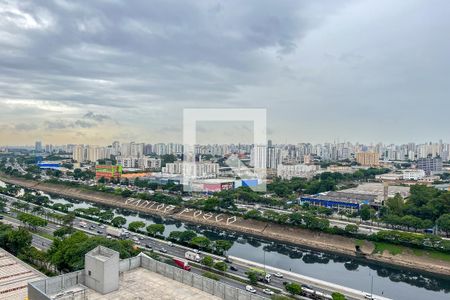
x=346 y=70
x=353 y=143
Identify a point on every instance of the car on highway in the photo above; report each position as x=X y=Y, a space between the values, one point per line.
x=368 y=296
x=250 y=289
x=99 y=232
x=278 y=274
x=233 y=268
x=163 y=250
x=148 y=246
x=268 y=292
x=170 y=244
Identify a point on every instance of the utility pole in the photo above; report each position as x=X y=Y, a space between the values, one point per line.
x=371 y=288
x=264 y=251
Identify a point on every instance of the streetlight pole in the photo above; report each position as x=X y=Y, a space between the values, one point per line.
x=371 y=287
x=264 y=251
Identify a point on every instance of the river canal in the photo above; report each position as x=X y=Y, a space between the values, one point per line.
x=395 y=283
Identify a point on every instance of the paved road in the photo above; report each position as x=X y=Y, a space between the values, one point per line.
x=163 y=247
x=38 y=241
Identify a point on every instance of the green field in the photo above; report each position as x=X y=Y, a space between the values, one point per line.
x=394 y=250
x=380 y=247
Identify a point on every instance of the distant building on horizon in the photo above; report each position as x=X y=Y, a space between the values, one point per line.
x=38 y=147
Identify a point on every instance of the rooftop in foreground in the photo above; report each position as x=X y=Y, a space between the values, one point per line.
x=106 y=277
x=14 y=276
x=143 y=284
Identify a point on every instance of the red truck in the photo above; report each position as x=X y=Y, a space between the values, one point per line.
x=184 y=264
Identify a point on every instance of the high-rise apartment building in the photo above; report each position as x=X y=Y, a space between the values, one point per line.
x=258 y=157
x=38 y=147
x=430 y=165
x=368 y=158
x=78 y=153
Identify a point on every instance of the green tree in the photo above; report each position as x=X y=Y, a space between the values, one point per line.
x=280 y=297
x=201 y=242
x=106 y=215
x=253 y=214
x=136 y=226
x=68 y=254
x=293 y=288
x=444 y=223
x=154 y=229
x=351 y=228
x=187 y=236
x=17 y=240
x=167 y=158
x=296 y=218
x=411 y=222
x=365 y=212
x=337 y=296
x=396 y=205
x=118 y=221
x=207 y=261
x=211 y=275
x=221 y=266
x=32 y=220
x=222 y=245
x=61 y=232
x=68 y=219
x=252 y=277
x=126 y=193
x=175 y=235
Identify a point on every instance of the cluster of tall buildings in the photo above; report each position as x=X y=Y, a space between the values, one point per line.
x=39 y=147
x=143 y=162
x=197 y=170
x=92 y=153
x=263 y=156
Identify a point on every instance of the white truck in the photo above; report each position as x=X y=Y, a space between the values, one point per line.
x=114 y=232
x=192 y=256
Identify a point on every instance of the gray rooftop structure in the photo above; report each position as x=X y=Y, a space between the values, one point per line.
x=139 y=277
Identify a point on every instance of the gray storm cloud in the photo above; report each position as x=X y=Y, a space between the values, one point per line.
x=356 y=70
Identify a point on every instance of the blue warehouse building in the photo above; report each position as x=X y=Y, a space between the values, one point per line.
x=43 y=165
x=340 y=200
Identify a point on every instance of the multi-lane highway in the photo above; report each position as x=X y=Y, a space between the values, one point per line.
x=162 y=247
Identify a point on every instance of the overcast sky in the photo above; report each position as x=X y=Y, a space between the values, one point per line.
x=97 y=71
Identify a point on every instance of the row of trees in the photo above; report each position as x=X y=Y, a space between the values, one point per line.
x=67 y=254
x=425 y=207
x=326 y=181
x=14 y=241
x=31 y=220
x=208 y=261
x=302 y=219
x=189 y=237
